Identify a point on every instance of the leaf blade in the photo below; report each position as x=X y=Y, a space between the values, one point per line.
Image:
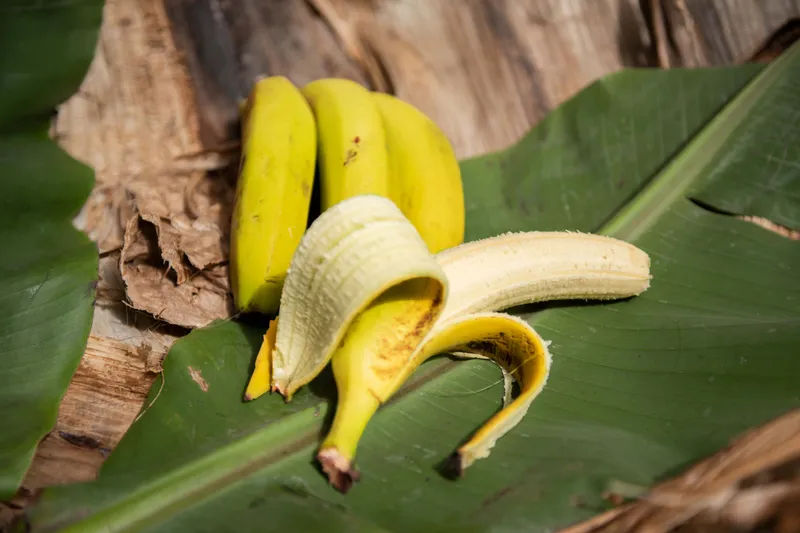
x=49 y=269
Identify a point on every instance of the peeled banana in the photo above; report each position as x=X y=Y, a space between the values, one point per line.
x=273 y=193
x=365 y=292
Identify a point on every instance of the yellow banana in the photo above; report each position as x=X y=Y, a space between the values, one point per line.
x=352 y=143
x=424 y=175
x=273 y=193
x=353 y=160
x=365 y=292
x=339 y=268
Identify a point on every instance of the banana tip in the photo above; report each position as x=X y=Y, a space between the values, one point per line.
x=338 y=468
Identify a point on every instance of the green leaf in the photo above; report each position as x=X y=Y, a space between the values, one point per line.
x=49 y=268
x=639 y=388
x=729 y=182
x=588 y=158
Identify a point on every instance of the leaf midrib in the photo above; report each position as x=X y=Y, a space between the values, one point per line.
x=685 y=169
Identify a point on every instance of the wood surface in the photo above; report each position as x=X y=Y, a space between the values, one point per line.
x=156 y=117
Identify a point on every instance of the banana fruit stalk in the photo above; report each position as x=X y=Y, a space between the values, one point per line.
x=365 y=293
x=273 y=193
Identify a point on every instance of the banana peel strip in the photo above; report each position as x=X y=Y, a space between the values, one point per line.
x=511 y=343
x=363 y=246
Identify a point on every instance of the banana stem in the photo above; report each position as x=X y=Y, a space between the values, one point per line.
x=336 y=453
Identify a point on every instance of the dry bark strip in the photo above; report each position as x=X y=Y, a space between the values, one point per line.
x=95 y=412
x=488 y=70
x=753 y=485
x=696 y=33
x=156 y=114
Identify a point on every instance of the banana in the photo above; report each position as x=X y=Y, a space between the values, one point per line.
x=424 y=174
x=352 y=142
x=273 y=193
x=520 y=268
x=375 y=143
x=365 y=293
x=339 y=268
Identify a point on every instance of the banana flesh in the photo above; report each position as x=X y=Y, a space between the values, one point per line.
x=365 y=292
x=523 y=268
x=273 y=193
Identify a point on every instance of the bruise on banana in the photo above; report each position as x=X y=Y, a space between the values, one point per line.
x=395 y=350
x=504 y=350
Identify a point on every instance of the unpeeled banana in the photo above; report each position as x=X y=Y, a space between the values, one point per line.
x=365 y=292
x=375 y=143
x=273 y=193
x=424 y=175
x=352 y=142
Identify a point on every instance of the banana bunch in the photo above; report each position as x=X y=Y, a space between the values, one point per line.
x=380 y=281
x=362 y=143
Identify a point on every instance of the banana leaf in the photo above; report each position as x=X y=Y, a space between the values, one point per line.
x=639 y=388
x=49 y=269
